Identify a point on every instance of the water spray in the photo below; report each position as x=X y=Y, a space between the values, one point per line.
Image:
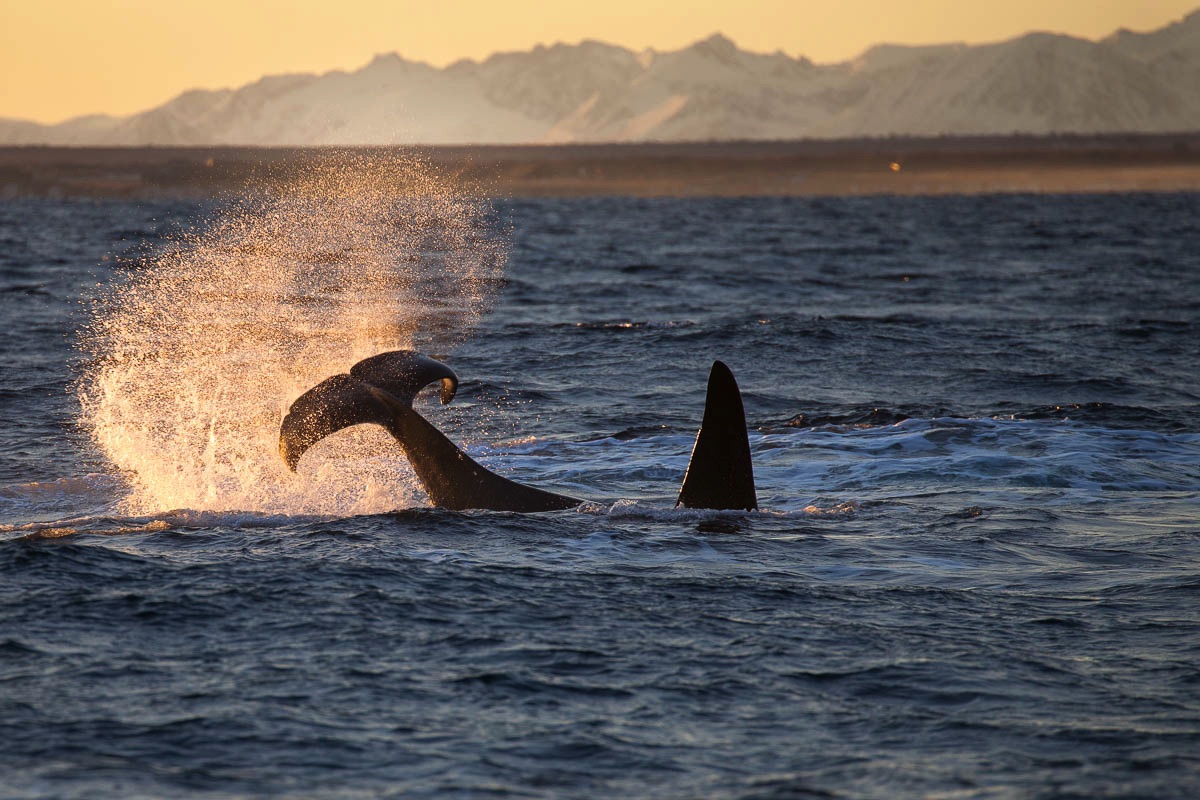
x=198 y=351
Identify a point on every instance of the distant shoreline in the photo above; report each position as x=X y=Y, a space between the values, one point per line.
x=898 y=166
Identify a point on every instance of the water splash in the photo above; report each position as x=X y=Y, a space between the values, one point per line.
x=197 y=354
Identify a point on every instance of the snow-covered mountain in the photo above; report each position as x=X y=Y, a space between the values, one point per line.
x=1039 y=83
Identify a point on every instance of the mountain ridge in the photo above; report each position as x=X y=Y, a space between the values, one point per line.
x=1038 y=83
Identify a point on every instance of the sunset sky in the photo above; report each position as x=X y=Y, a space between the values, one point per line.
x=72 y=57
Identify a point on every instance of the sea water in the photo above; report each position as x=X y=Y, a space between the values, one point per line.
x=975 y=572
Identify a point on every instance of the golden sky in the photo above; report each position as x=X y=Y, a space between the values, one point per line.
x=64 y=58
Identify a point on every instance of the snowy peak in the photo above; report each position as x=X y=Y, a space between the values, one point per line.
x=1039 y=83
x=890 y=56
x=720 y=49
x=1154 y=44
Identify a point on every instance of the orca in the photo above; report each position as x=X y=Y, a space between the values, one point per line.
x=380 y=390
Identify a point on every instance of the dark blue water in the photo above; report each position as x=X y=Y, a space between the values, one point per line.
x=976 y=574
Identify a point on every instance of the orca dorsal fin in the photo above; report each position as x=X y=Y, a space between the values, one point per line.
x=720 y=475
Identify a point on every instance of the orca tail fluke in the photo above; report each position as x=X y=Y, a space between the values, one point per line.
x=380 y=390
x=344 y=400
x=720 y=475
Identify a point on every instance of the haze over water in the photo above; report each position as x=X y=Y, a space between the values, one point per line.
x=973 y=424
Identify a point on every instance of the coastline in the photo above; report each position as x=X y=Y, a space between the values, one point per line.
x=950 y=165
